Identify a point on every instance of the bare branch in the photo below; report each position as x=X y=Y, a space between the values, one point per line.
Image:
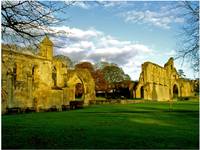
x=189 y=49
x=27 y=21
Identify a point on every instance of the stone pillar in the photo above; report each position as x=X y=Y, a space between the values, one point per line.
x=10 y=89
x=35 y=101
x=86 y=95
x=73 y=92
x=69 y=94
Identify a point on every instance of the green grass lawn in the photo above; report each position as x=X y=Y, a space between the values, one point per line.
x=147 y=125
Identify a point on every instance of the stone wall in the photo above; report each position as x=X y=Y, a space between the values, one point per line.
x=84 y=77
x=158 y=83
x=39 y=81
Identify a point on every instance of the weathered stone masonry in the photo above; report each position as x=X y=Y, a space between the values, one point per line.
x=40 y=81
x=162 y=83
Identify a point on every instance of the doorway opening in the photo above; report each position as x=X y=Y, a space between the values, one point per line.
x=142 y=92
x=79 y=91
x=175 y=91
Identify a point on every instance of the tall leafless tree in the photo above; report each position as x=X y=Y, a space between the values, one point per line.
x=189 y=49
x=27 y=21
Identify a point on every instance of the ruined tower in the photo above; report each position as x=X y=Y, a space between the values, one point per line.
x=169 y=66
x=46 y=48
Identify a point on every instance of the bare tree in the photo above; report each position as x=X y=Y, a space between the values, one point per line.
x=189 y=48
x=28 y=21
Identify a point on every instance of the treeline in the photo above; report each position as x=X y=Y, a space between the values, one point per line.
x=110 y=80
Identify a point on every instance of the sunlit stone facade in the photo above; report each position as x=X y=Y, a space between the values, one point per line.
x=162 y=83
x=40 y=81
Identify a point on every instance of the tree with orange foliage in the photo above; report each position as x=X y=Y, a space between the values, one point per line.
x=98 y=76
x=85 y=65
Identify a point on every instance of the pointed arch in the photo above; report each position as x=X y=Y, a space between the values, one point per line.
x=54 y=75
x=175 y=91
x=83 y=77
x=142 y=92
x=15 y=74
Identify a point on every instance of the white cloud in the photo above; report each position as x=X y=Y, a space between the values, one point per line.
x=171 y=53
x=82 y=4
x=95 y=46
x=105 y=4
x=109 y=4
x=84 y=45
x=162 y=18
x=75 y=33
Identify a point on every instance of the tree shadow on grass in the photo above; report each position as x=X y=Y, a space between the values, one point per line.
x=166 y=109
x=150 y=110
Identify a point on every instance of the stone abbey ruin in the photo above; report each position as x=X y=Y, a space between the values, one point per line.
x=41 y=82
x=162 y=83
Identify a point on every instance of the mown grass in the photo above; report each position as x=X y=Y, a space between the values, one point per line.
x=146 y=125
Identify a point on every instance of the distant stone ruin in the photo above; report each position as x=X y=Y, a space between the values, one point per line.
x=162 y=83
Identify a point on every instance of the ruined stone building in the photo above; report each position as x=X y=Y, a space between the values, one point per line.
x=40 y=81
x=162 y=83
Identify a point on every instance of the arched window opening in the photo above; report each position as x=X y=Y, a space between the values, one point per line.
x=54 y=75
x=79 y=91
x=33 y=70
x=175 y=91
x=33 y=73
x=15 y=75
x=142 y=92
x=65 y=80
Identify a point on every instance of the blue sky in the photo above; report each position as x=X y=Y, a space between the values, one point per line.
x=125 y=33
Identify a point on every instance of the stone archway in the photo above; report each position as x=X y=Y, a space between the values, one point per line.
x=79 y=91
x=83 y=77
